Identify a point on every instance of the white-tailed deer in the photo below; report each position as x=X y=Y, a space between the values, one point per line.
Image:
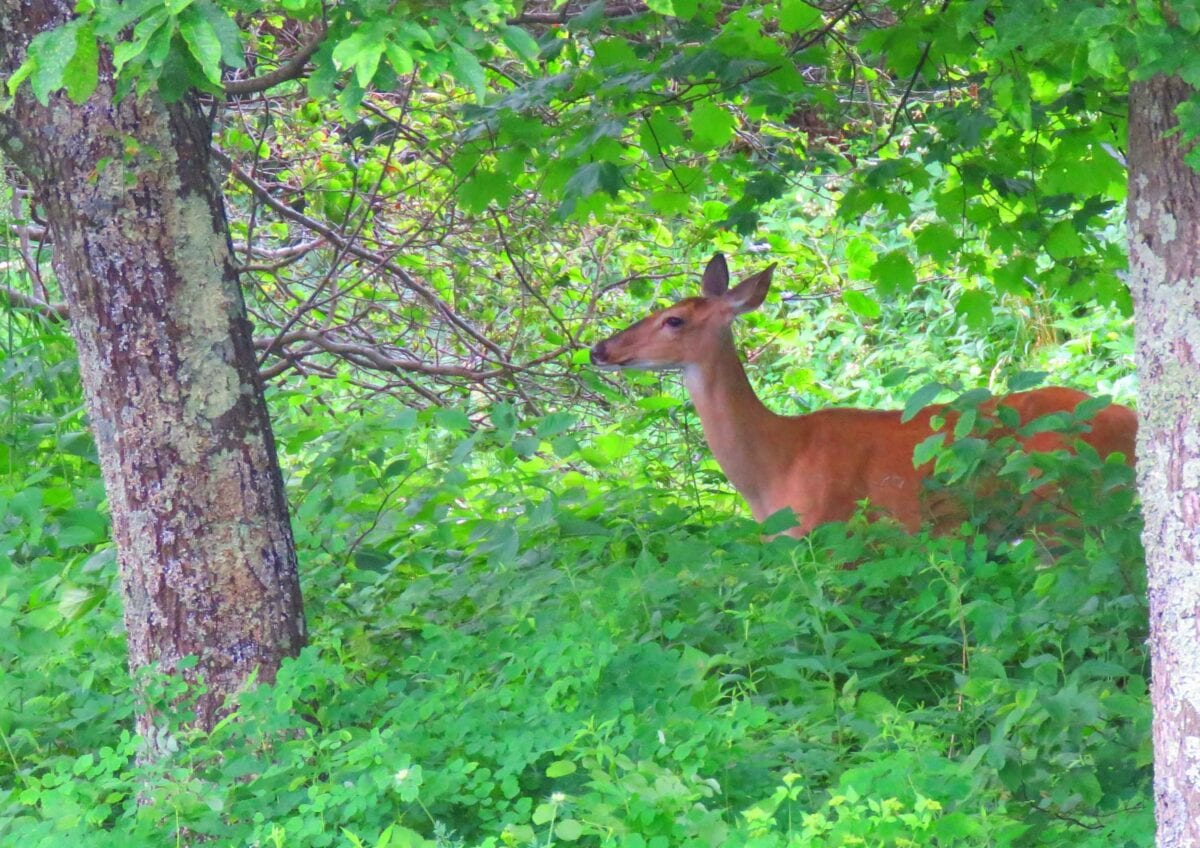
x=824 y=463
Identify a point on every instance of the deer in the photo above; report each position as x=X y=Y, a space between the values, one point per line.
x=822 y=464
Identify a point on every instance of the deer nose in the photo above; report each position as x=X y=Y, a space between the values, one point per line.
x=600 y=353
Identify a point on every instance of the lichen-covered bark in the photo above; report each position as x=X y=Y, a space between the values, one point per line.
x=141 y=248
x=1164 y=252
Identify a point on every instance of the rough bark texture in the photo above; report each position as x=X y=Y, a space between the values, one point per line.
x=141 y=248
x=1164 y=252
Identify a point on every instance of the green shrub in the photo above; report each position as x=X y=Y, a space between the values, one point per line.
x=511 y=648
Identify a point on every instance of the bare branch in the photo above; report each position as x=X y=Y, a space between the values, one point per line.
x=19 y=300
x=342 y=243
x=373 y=357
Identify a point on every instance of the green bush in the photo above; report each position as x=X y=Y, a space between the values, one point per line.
x=516 y=642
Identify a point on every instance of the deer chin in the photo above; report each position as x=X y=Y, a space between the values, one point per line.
x=640 y=365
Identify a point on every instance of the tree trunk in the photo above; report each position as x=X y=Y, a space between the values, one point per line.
x=1164 y=254
x=142 y=251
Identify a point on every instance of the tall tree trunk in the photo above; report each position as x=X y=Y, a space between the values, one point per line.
x=142 y=251
x=1164 y=253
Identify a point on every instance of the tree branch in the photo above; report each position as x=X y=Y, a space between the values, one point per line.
x=19 y=300
x=290 y=69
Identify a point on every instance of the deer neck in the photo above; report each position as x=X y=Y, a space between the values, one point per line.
x=742 y=433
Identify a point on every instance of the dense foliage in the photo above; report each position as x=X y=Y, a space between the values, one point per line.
x=547 y=631
x=535 y=618
x=390 y=205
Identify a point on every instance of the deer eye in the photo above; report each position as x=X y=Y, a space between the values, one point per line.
x=673 y=321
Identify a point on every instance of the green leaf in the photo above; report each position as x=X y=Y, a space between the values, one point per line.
x=1024 y=380
x=711 y=125
x=482 y=188
x=51 y=53
x=928 y=448
x=202 y=42
x=975 y=306
x=399 y=58
x=1053 y=422
x=797 y=16
x=75 y=601
x=521 y=43
x=363 y=50
x=593 y=177
x=940 y=241
x=453 y=419
x=920 y=399
x=228 y=33
x=81 y=74
x=568 y=830
x=686 y=9
x=894 y=272
x=1063 y=242
x=966 y=422
x=779 y=522
x=468 y=71
x=1089 y=408
x=861 y=304
x=560 y=768
x=21 y=74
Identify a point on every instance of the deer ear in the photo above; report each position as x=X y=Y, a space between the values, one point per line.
x=716 y=276
x=749 y=294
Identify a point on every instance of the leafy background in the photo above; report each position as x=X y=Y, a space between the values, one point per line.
x=536 y=615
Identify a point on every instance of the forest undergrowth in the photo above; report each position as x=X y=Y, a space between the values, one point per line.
x=552 y=631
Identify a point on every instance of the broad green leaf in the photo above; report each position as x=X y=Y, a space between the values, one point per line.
x=779 y=522
x=966 y=422
x=593 y=177
x=521 y=43
x=468 y=71
x=894 y=272
x=798 y=16
x=927 y=449
x=417 y=34
x=117 y=18
x=81 y=73
x=862 y=304
x=399 y=58
x=51 y=52
x=711 y=125
x=686 y=9
x=568 y=830
x=920 y=399
x=1023 y=380
x=227 y=32
x=1088 y=408
x=362 y=50
x=975 y=306
x=482 y=188
x=202 y=42
x=941 y=241
x=1063 y=241
x=453 y=419
x=1051 y=422
x=560 y=768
